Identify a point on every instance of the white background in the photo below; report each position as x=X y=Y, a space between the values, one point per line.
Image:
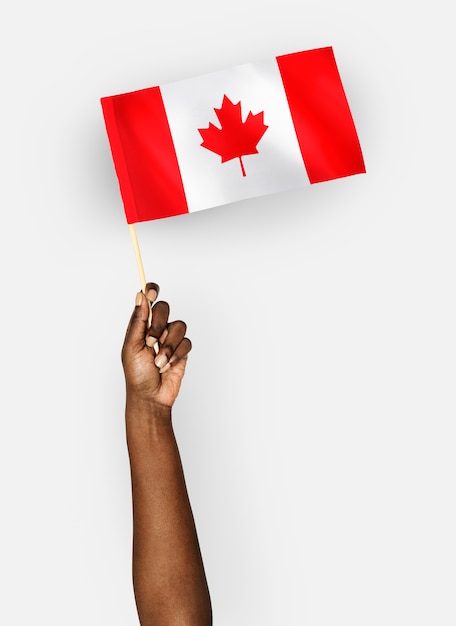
x=317 y=417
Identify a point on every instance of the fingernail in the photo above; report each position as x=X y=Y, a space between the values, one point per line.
x=152 y=295
x=165 y=369
x=138 y=298
x=150 y=341
x=161 y=361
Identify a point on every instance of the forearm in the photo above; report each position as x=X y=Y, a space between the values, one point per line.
x=168 y=573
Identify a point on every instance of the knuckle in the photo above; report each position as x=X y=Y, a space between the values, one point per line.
x=180 y=326
x=161 y=306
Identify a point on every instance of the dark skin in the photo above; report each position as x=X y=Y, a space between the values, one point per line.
x=168 y=573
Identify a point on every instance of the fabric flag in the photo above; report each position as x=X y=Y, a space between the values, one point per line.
x=251 y=130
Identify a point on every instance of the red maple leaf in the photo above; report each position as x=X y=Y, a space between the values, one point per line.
x=235 y=138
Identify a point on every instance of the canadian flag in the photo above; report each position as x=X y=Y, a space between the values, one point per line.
x=251 y=130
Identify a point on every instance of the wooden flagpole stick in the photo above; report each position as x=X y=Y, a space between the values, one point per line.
x=139 y=262
x=142 y=275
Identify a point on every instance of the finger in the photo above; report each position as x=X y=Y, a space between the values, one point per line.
x=137 y=327
x=152 y=290
x=163 y=336
x=158 y=322
x=179 y=354
x=176 y=333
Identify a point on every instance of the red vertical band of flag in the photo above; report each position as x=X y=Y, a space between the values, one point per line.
x=321 y=116
x=144 y=155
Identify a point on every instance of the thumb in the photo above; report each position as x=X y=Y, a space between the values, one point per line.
x=135 y=337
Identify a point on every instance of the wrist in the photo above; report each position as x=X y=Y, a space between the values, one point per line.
x=140 y=408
